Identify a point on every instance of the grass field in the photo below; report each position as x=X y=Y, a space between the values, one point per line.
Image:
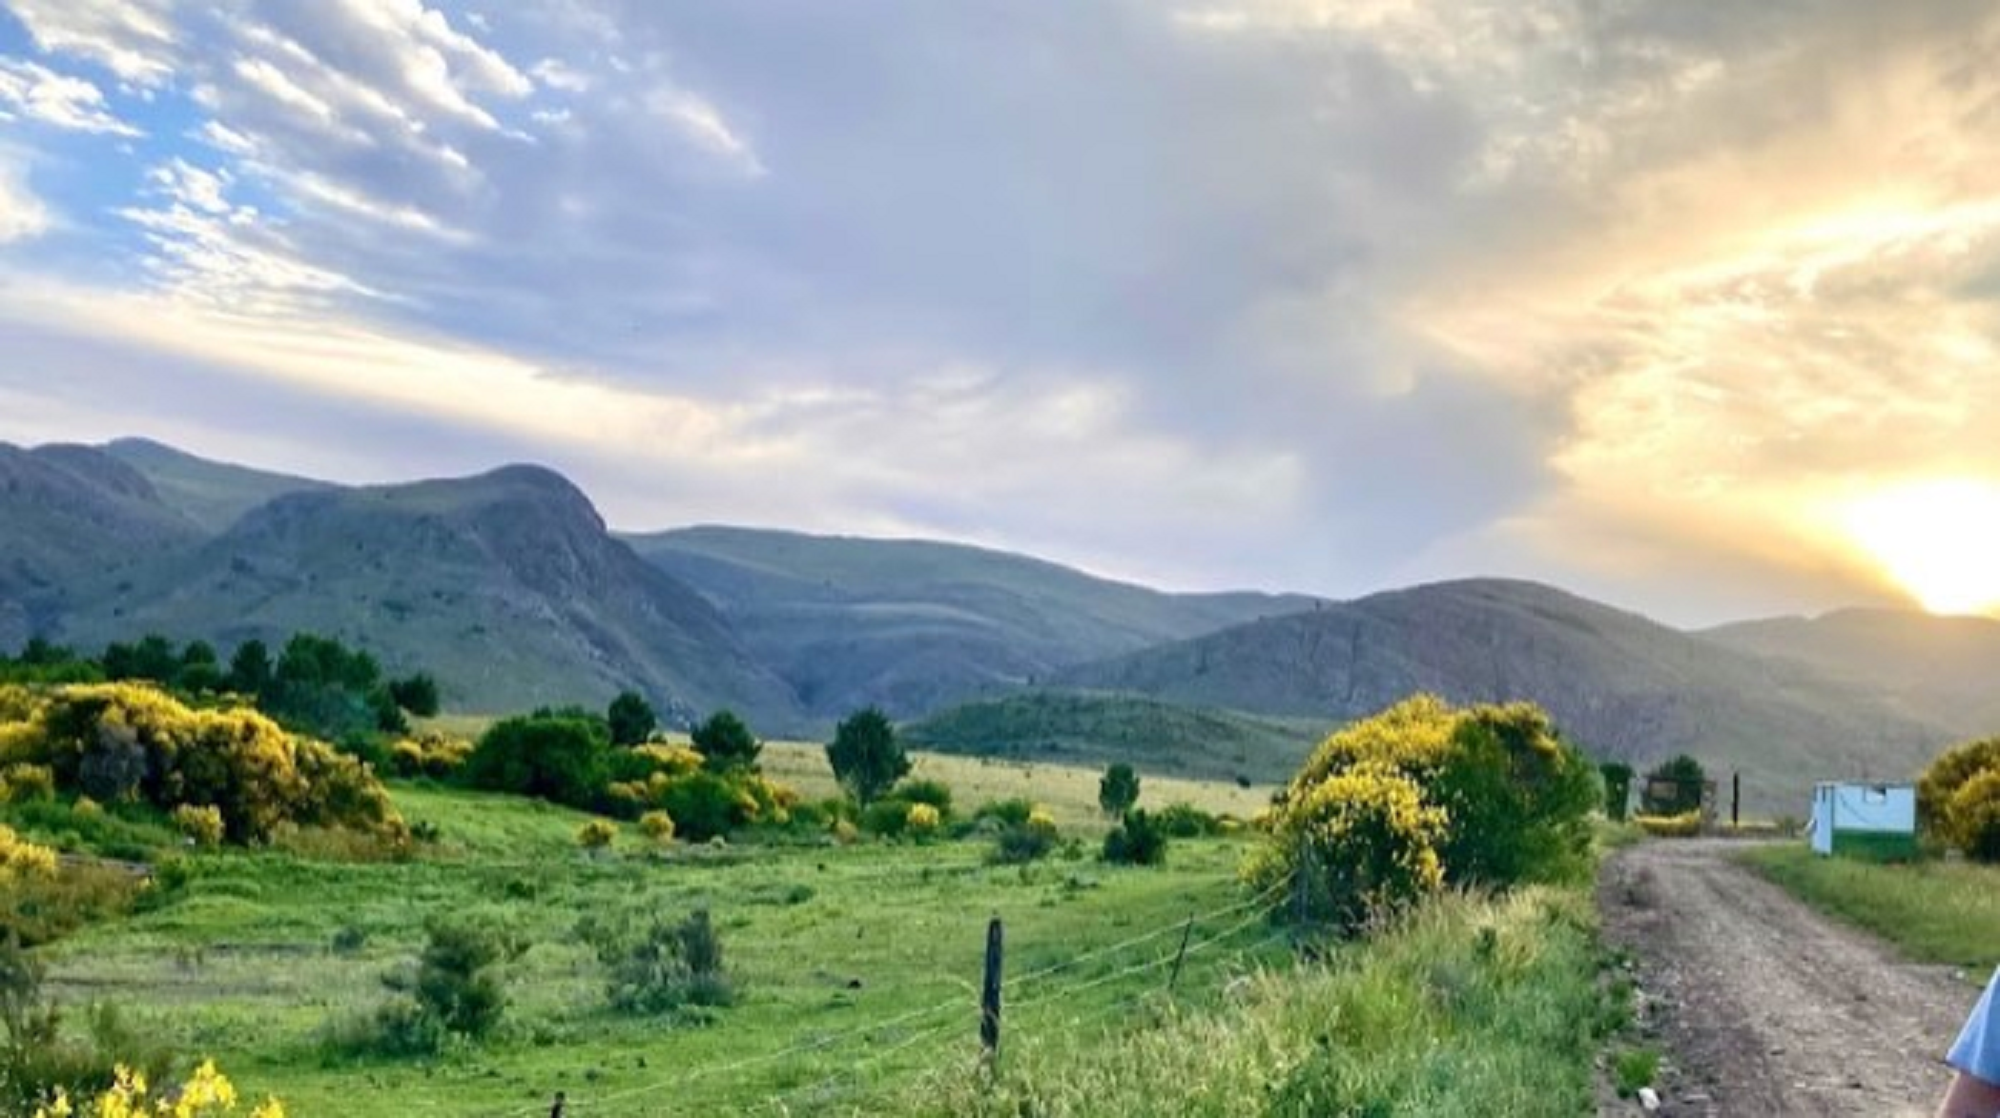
x=860 y=965
x=1937 y=912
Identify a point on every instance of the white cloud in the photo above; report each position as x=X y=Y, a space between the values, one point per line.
x=702 y=123
x=22 y=215
x=134 y=39
x=557 y=74
x=62 y=100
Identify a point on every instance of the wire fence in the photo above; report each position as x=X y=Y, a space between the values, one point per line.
x=934 y=1024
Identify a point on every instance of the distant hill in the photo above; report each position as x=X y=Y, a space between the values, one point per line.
x=1082 y=727
x=1618 y=683
x=71 y=515
x=213 y=495
x=506 y=585
x=1945 y=669
x=913 y=625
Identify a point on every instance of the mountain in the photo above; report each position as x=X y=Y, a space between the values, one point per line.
x=505 y=585
x=1098 y=728
x=1943 y=668
x=911 y=625
x=70 y=515
x=1620 y=684
x=213 y=495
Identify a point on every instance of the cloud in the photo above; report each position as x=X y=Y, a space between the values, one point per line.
x=134 y=39
x=57 y=99
x=22 y=215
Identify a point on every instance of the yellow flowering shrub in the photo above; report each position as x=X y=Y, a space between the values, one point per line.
x=1042 y=822
x=1394 y=806
x=433 y=754
x=1685 y=825
x=21 y=782
x=21 y=859
x=1942 y=782
x=923 y=821
x=201 y=823
x=596 y=834
x=206 y=1094
x=658 y=826
x=133 y=742
x=673 y=760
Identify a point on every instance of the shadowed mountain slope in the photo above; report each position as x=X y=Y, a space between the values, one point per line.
x=1620 y=684
x=911 y=625
x=506 y=585
x=213 y=495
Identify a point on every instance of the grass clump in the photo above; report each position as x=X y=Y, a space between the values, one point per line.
x=1937 y=912
x=1634 y=1068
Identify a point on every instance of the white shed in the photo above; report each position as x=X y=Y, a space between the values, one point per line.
x=1877 y=821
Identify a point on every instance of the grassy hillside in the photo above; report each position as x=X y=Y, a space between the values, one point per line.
x=505 y=585
x=214 y=495
x=859 y=966
x=71 y=515
x=1098 y=728
x=911 y=625
x=1942 y=669
x=1618 y=683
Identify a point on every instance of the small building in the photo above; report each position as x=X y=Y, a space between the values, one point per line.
x=1874 y=821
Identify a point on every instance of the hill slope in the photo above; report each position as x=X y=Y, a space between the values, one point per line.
x=1946 y=669
x=1094 y=728
x=506 y=585
x=213 y=495
x=70 y=515
x=911 y=625
x=1622 y=685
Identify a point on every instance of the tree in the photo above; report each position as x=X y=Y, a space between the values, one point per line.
x=250 y=669
x=1118 y=790
x=724 y=742
x=1617 y=789
x=865 y=755
x=632 y=719
x=553 y=756
x=417 y=694
x=1674 y=788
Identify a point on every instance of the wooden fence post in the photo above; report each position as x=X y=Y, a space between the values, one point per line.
x=989 y=999
x=1735 y=799
x=1181 y=954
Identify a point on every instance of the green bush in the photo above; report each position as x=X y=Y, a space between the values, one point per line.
x=666 y=967
x=725 y=743
x=1674 y=787
x=1975 y=815
x=559 y=757
x=458 y=980
x=38 y=1055
x=1939 y=787
x=885 y=818
x=1184 y=820
x=865 y=755
x=705 y=805
x=1007 y=813
x=936 y=793
x=1140 y=840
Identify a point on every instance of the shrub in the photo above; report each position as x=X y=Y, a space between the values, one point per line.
x=1118 y=789
x=1975 y=817
x=924 y=821
x=668 y=966
x=726 y=743
x=935 y=793
x=561 y=757
x=129 y=742
x=430 y=754
x=596 y=834
x=1007 y=813
x=1184 y=820
x=1141 y=840
x=1028 y=841
x=41 y=1060
x=21 y=783
x=1941 y=782
x=1368 y=843
x=705 y=805
x=886 y=818
x=458 y=981
x=658 y=826
x=200 y=824
x=865 y=755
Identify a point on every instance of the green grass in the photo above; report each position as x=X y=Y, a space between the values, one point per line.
x=1634 y=1068
x=859 y=965
x=1472 y=1007
x=1937 y=912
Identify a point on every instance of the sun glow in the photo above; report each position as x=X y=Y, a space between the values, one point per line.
x=1939 y=540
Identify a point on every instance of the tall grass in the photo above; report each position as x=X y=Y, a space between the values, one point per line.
x=1472 y=1006
x=1936 y=912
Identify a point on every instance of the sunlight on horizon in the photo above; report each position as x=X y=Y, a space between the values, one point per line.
x=1938 y=539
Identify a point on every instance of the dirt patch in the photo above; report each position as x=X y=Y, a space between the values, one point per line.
x=1763 y=1006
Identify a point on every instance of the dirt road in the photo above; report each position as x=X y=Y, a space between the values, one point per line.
x=1763 y=1006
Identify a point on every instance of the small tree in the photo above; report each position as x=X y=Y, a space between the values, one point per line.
x=632 y=719
x=1673 y=788
x=458 y=983
x=1118 y=790
x=724 y=742
x=250 y=668
x=417 y=694
x=865 y=755
x=1617 y=789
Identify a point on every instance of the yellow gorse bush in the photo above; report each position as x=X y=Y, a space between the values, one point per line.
x=130 y=741
x=923 y=819
x=206 y=1094
x=20 y=858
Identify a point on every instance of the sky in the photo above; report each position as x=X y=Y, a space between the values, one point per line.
x=1688 y=305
